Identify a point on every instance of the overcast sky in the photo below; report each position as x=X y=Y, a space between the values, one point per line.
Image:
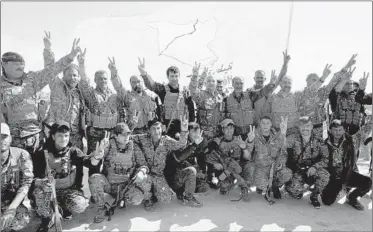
x=252 y=35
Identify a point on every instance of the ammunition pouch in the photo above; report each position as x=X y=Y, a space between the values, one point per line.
x=104 y=122
x=117 y=178
x=68 y=181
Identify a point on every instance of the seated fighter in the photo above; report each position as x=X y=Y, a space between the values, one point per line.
x=185 y=168
x=342 y=158
x=16 y=178
x=119 y=170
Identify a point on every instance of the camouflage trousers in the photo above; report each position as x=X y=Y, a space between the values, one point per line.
x=237 y=170
x=95 y=135
x=160 y=189
x=70 y=200
x=262 y=177
x=296 y=186
x=21 y=218
x=99 y=185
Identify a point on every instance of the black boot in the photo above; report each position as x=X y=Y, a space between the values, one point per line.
x=276 y=192
x=44 y=226
x=354 y=202
x=315 y=200
x=191 y=201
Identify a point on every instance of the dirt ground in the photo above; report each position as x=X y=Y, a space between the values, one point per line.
x=220 y=214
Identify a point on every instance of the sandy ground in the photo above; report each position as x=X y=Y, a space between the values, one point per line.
x=220 y=214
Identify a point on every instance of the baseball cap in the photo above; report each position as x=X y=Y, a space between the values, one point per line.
x=12 y=57
x=58 y=125
x=226 y=122
x=5 y=129
x=121 y=128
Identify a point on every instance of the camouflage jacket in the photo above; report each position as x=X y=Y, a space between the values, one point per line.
x=19 y=102
x=154 y=157
x=228 y=148
x=303 y=156
x=16 y=174
x=263 y=152
x=65 y=103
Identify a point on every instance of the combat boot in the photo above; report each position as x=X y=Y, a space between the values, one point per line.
x=44 y=225
x=355 y=203
x=314 y=198
x=191 y=201
x=100 y=215
x=245 y=194
x=276 y=192
x=149 y=205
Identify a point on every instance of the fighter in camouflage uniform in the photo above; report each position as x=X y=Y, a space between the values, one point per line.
x=176 y=102
x=265 y=148
x=19 y=104
x=66 y=99
x=141 y=105
x=104 y=109
x=308 y=160
x=233 y=152
x=239 y=106
x=341 y=164
x=185 y=169
x=16 y=178
x=62 y=159
x=151 y=150
x=118 y=169
x=209 y=103
x=313 y=105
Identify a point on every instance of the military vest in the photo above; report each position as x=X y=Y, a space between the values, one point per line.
x=145 y=106
x=284 y=107
x=258 y=107
x=62 y=170
x=242 y=113
x=174 y=104
x=229 y=148
x=266 y=152
x=209 y=113
x=348 y=111
x=118 y=165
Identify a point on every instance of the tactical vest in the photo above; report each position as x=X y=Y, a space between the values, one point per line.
x=104 y=114
x=62 y=170
x=258 y=107
x=118 y=166
x=20 y=102
x=174 y=104
x=348 y=111
x=266 y=152
x=229 y=148
x=146 y=108
x=242 y=113
x=313 y=108
x=284 y=107
x=209 y=113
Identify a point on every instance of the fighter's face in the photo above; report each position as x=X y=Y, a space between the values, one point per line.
x=122 y=138
x=61 y=139
x=71 y=77
x=194 y=133
x=6 y=140
x=156 y=132
x=265 y=125
x=136 y=84
x=311 y=79
x=210 y=82
x=237 y=84
x=173 y=78
x=219 y=87
x=228 y=131
x=101 y=80
x=259 y=78
x=306 y=129
x=286 y=84
x=14 y=69
x=337 y=132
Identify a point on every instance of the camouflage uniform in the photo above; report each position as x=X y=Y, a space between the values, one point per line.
x=266 y=153
x=16 y=178
x=66 y=104
x=301 y=157
x=154 y=158
x=186 y=169
x=313 y=105
x=210 y=106
x=118 y=169
x=63 y=166
x=147 y=104
x=103 y=114
x=19 y=103
x=241 y=108
x=174 y=102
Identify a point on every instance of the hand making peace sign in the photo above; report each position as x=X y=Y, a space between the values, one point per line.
x=184 y=123
x=284 y=125
x=364 y=80
x=112 y=66
x=47 y=40
x=141 y=66
x=81 y=57
x=327 y=70
x=101 y=146
x=251 y=134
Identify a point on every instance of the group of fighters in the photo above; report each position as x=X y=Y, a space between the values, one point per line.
x=149 y=145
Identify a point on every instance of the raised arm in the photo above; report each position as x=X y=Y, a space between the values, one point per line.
x=45 y=76
x=48 y=55
x=117 y=83
x=193 y=84
x=148 y=80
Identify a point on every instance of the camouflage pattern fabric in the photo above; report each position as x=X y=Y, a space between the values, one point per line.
x=21 y=219
x=186 y=178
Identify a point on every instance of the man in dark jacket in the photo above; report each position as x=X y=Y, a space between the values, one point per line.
x=341 y=168
x=185 y=168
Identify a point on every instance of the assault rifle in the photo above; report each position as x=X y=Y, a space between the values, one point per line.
x=52 y=181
